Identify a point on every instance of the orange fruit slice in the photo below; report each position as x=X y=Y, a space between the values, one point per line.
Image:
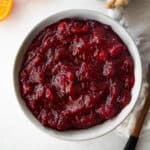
x=5 y=8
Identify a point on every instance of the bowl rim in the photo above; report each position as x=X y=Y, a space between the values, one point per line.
x=78 y=13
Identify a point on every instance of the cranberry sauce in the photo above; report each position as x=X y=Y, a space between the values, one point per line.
x=76 y=74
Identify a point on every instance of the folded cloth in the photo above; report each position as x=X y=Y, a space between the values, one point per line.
x=135 y=18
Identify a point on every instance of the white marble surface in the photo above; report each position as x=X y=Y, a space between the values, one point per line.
x=16 y=132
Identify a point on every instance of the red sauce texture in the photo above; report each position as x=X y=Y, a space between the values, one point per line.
x=76 y=74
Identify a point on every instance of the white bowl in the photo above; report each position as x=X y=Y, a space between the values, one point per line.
x=107 y=126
